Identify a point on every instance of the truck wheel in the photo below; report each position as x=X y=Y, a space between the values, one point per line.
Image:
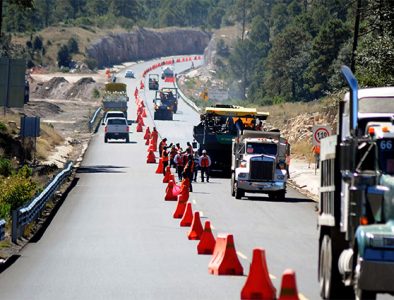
x=105 y=139
x=359 y=293
x=330 y=281
x=232 y=185
x=127 y=139
x=239 y=193
x=280 y=195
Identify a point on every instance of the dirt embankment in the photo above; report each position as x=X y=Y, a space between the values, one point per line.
x=66 y=103
x=144 y=44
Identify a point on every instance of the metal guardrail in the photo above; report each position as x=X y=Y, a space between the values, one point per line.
x=2 y=229
x=186 y=99
x=93 y=119
x=31 y=211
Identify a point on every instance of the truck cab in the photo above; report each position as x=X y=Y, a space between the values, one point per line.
x=356 y=207
x=259 y=164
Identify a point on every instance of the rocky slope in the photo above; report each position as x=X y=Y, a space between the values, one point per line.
x=144 y=44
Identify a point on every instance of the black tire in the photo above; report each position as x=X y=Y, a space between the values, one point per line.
x=127 y=139
x=232 y=184
x=239 y=193
x=280 y=195
x=330 y=281
x=105 y=139
x=359 y=293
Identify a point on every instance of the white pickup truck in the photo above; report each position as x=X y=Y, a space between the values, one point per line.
x=116 y=128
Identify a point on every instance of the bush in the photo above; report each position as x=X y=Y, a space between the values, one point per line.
x=63 y=57
x=5 y=167
x=72 y=45
x=91 y=63
x=96 y=93
x=3 y=127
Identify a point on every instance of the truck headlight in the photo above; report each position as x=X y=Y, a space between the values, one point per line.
x=243 y=164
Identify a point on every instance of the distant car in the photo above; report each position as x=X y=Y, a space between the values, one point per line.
x=129 y=74
x=116 y=128
x=112 y=114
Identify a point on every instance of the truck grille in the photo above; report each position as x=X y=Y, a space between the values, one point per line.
x=261 y=170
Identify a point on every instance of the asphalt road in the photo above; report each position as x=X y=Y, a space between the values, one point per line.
x=114 y=236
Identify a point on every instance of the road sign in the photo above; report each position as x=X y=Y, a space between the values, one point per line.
x=12 y=82
x=320 y=132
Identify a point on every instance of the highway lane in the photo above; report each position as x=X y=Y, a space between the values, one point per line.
x=114 y=237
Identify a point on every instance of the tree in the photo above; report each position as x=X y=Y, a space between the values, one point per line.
x=63 y=57
x=37 y=43
x=22 y=4
x=72 y=45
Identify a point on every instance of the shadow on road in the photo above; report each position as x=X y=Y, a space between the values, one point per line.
x=100 y=169
x=286 y=200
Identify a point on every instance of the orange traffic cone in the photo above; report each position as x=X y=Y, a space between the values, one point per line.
x=167 y=175
x=187 y=218
x=180 y=208
x=144 y=113
x=196 y=228
x=258 y=285
x=207 y=240
x=159 y=169
x=288 y=288
x=147 y=133
x=139 y=127
x=147 y=142
x=184 y=190
x=136 y=93
x=169 y=196
x=151 y=159
x=224 y=259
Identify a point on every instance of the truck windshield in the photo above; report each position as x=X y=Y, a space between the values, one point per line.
x=259 y=148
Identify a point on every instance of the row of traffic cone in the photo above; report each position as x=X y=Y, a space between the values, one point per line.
x=224 y=260
x=170 y=62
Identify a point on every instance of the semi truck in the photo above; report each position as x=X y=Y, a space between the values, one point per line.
x=115 y=98
x=218 y=126
x=259 y=164
x=356 y=208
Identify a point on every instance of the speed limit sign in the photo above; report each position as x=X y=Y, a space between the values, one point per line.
x=320 y=132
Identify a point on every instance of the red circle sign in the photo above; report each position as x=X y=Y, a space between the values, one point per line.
x=321 y=133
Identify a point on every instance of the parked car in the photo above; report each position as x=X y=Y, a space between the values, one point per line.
x=117 y=129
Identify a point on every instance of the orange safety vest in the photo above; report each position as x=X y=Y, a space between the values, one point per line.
x=204 y=162
x=165 y=156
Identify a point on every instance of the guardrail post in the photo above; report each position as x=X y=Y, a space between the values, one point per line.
x=15 y=227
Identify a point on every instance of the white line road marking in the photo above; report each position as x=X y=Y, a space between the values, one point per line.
x=302 y=297
x=272 y=277
x=194 y=201
x=240 y=254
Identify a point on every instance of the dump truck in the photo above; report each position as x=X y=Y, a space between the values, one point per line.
x=115 y=98
x=165 y=103
x=356 y=208
x=153 y=82
x=217 y=128
x=259 y=164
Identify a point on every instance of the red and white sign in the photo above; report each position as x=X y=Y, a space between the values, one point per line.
x=320 y=132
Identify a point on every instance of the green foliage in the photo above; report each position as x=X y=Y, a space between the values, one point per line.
x=91 y=63
x=3 y=127
x=72 y=45
x=63 y=57
x=222 y=49
x=5 y=167
x=37 y=43
x=96 y=93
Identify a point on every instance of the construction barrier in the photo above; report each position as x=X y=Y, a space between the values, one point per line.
x=288 y=289
x=258 y=285
x=224 y=259
x=187 y=218
x=207 y=240
x=196 y=228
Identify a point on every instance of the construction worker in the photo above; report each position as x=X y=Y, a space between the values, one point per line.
x=196 y=159
x=316 y=153
x=154 y=136
x=204 y=163
x=178 y=160
x=165 y=159
x=173 y=152
x=162 y=144
x=189 y=169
